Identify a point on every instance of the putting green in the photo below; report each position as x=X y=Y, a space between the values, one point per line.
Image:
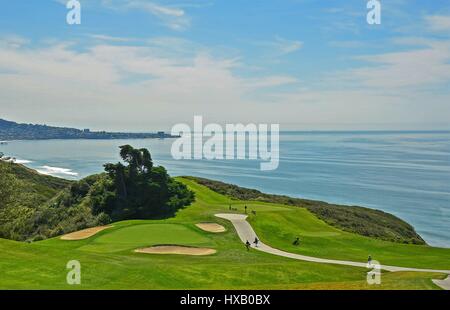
x=146 y=235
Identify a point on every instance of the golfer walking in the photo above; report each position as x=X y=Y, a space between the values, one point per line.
x=247 y=245
x=256 y=242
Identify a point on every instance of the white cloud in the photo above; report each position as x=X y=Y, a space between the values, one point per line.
x=349 y=44
x=417 y=68
x=438 y=23
x=156 y=9
x=13 y=41
x=280 y=46
x=170 y=16
x=287 y=46
x=361 y=108
x=271 y=81
x=156 y=83
x=138 y=85
x=102 y=37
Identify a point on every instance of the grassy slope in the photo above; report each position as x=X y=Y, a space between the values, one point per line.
x=108 y=261
x=280 y=229
x=363 y=221
x=281 y=225
x=43 y=186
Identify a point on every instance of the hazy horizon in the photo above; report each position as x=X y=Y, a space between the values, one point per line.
x=314 y=128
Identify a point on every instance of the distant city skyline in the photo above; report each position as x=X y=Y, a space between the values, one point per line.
x=135 y=65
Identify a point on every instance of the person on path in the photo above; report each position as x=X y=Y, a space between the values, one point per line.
x=247 y=244
x=256 y=241
x=369 y=260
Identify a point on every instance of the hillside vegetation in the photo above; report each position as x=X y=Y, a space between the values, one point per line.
x=359 y=220
x=25 y=211
x=43 y=186
x=35 y=207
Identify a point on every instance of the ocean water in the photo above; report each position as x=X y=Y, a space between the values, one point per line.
x=404 y=173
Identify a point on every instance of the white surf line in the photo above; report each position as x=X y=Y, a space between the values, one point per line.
x=246 y=232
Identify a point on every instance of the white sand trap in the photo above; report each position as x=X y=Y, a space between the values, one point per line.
x=84 y=234
x=174 y=249
x=211 y=227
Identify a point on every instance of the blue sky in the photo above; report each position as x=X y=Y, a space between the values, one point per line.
x=145 y=65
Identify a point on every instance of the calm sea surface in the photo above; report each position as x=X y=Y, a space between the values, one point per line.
x=404 y=173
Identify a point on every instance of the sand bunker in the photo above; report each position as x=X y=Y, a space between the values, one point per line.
x=174 y=249
x=84 y=234
x=211 y=227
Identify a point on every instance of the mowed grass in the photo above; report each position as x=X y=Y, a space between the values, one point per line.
x=390 y=281
x=144 y=235
x=279 y=229
x=108 y=260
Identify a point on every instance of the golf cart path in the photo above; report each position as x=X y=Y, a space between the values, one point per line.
x=246 y=232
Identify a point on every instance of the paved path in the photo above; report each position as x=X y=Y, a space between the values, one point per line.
x=445 y=284
x=246 y=232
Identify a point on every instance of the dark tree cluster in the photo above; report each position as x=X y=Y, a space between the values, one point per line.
x=138 y=189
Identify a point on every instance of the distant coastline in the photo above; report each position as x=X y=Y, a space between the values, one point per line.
x=15 y=131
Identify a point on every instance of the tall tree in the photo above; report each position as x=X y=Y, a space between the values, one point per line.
x=142 y=190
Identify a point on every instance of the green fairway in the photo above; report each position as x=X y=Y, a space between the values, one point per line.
x=141 y=235
x=108 y=260
x=318 y=239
